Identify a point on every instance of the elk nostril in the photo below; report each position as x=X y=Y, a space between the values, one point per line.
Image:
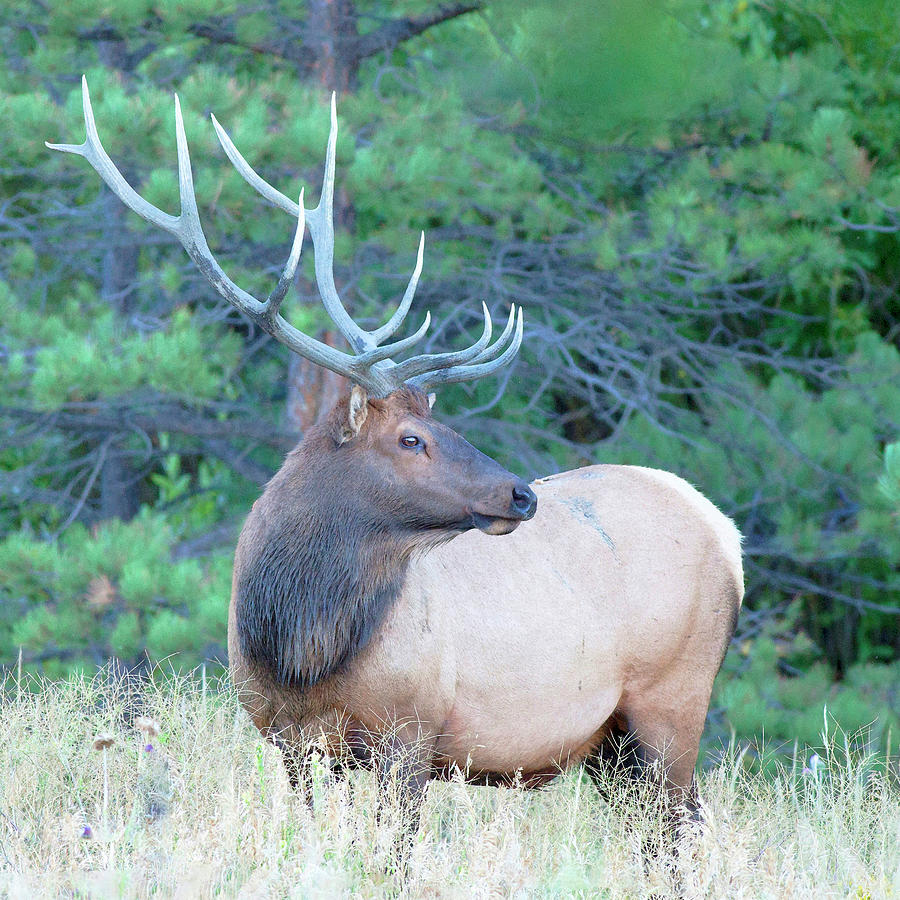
x=524 y=499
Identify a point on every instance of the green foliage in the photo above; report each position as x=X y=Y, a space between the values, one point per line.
x=612 y=68
x=774 y=685
x=110 y=591
x=889 y=482
x=85 y=357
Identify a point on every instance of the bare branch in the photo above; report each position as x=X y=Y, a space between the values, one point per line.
x=158 y=416
x=397 y=31
x=303 y=53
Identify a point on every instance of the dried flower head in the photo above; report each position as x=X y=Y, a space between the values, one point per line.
x=149 y=726
x=103 y=741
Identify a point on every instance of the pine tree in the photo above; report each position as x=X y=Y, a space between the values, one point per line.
x=697 y=207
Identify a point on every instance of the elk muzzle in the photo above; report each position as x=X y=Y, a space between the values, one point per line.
x=522 y=506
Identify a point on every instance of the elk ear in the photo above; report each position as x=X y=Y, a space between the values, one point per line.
x=357 y=410
x=431 y=399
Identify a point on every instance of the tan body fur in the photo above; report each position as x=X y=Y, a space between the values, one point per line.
x=517 y=654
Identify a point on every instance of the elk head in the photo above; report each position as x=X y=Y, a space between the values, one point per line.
x=422 y=476
x=409 y=445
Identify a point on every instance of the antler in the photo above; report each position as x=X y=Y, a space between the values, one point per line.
x=370 y=365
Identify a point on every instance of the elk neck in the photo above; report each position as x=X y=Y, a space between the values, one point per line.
x=320 y=566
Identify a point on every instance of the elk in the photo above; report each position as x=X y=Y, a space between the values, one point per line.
x=371 y=608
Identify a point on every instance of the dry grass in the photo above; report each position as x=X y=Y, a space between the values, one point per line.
x=208 y=813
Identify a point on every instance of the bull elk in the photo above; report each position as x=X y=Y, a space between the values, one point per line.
x=367 y=601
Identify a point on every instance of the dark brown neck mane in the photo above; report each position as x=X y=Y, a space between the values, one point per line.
x=326 y=566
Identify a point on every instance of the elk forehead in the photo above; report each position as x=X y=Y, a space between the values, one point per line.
x=407 y=401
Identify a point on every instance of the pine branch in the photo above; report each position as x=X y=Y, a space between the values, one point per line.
x=104 y=417
x=396 y=31
x=222 y=31
x=303 y=54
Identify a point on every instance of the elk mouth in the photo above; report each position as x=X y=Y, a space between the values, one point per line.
x=494 y=524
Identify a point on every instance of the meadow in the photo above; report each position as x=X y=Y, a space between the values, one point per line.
x=93 y=807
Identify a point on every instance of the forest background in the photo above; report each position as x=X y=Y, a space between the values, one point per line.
x=697 y=203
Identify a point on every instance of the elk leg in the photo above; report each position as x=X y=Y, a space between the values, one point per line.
x=617 y=758
x=668 y=742
x=658 y=746
x=404 y=766
x=295 y=756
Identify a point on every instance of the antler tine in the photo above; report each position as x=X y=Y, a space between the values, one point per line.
x=186 y=227
x=470 y=372
x=321 y=228
x=249 y=174
x=389 y=327
x=274 y=300
x=418 y=365
x=92 y=150
x=499 y=345
x=370 y=357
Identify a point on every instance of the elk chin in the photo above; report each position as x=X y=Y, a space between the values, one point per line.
x=494 y=524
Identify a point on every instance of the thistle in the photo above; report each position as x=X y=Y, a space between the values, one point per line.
x=150 y=727
x=101 y=743
x=154 y=784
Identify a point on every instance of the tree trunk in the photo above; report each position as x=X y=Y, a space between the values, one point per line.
x=332 y=28
x=119 y=485
x=120 y=258
x=119 y=494
x=312 y=391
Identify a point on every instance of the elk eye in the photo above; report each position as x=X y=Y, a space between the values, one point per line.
x=410 y=440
